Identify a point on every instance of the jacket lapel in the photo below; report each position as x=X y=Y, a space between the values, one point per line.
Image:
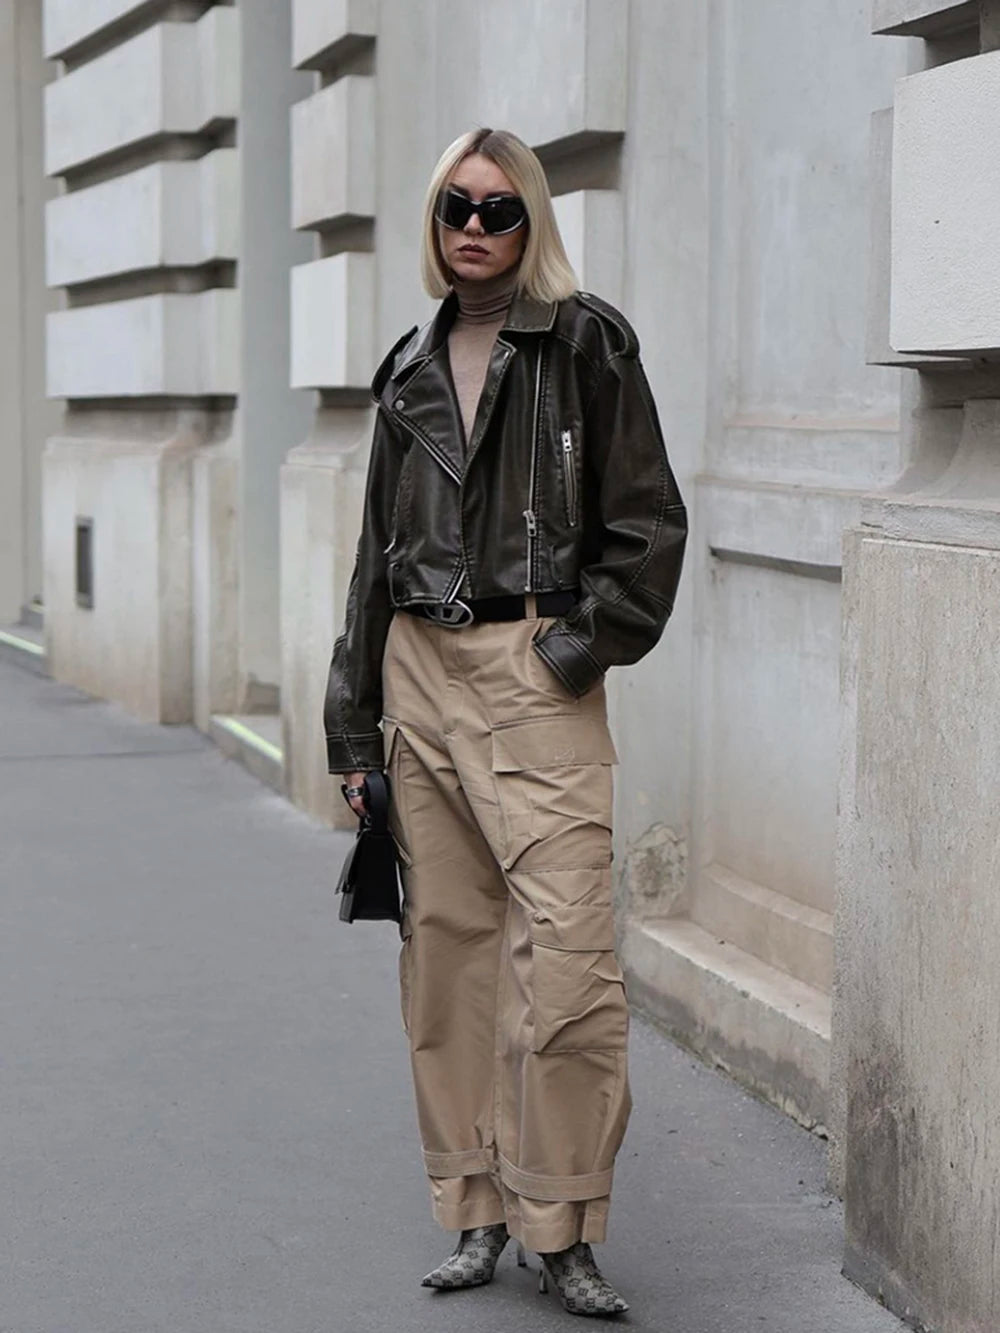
x=424 y=399
x=426 y=403
x=424 y=394
x=500 y=358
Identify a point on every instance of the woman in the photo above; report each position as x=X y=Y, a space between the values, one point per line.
x=522 y=533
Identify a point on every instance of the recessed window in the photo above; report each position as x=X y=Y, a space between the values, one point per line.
x=85 y=562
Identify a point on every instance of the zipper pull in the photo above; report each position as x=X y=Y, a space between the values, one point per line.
x=532 y=522
x=567 y=441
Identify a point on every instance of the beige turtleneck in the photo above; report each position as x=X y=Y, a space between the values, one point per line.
x=482 y=313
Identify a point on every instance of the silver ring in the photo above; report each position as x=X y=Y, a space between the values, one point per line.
x=352 y=792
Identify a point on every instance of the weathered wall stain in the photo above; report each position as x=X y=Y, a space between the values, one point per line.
x=653 y=880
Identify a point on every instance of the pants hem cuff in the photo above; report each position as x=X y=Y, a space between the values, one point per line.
x=555 y=1189
x=462 y=1217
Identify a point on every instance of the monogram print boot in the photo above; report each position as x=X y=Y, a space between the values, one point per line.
x=474 y=1261
x=579 y=1283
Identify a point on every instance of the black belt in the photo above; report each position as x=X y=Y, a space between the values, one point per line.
x=453 y=615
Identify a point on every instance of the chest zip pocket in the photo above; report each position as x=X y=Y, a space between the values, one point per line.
x=569 y=475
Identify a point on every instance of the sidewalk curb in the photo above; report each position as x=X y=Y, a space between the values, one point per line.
x=23 y=652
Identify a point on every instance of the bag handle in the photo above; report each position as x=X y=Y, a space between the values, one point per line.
x=377 y=803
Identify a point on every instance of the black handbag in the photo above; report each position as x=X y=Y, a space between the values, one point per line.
x=369 y=881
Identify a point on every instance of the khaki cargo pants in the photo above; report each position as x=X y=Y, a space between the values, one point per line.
x=512 y=996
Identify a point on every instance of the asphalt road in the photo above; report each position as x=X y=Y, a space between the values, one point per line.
x=206 y=1124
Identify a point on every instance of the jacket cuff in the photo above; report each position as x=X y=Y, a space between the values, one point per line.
x=354 y=754
x=570 y=659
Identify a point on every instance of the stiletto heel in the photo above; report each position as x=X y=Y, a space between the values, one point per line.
x=522 y=1258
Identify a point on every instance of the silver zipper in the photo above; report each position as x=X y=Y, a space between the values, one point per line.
x=569 y=474
x=531 y=523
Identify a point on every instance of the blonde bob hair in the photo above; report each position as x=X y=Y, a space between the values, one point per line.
x=545 y=273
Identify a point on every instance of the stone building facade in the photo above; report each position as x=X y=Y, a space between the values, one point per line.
x=215 y=236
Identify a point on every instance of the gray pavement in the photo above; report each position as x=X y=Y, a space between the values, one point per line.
x=205 y=1119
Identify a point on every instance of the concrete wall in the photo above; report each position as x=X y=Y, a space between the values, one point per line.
x=731 y=878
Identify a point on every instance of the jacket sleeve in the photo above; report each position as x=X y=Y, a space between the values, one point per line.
x=628 y=588
x=353 y=706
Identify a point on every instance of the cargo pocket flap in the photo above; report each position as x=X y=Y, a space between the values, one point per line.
x=551 y=742
x=574 y=929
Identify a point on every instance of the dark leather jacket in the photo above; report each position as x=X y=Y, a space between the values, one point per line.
x=564 y=483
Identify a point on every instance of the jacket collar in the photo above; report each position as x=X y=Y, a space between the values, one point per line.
x=525 y=316
x=529 y=316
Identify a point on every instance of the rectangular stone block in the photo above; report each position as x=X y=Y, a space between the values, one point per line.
x=557 y=71
x=172 y=344
x=945 y=202
x=923 y=18
x=918 y=989
x=878 y=352
x=333 y=153
x=175 y=78
x=70 y=22
x=323 y=28
x=333 y=302
x=169 y=214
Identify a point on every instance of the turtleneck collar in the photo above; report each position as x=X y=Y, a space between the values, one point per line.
x=485 y=300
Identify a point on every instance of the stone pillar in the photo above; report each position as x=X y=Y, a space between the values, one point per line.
x=25 y=417
x=271 y=416
x=144 y=242
x=917 y=1018
x=11 y=303
x=333 y=351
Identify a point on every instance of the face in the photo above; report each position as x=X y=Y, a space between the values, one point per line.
x=470 y=253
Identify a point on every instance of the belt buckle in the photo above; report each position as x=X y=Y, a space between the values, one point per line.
x=450 y=615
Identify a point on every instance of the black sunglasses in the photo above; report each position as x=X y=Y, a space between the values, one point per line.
x=498 y=213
